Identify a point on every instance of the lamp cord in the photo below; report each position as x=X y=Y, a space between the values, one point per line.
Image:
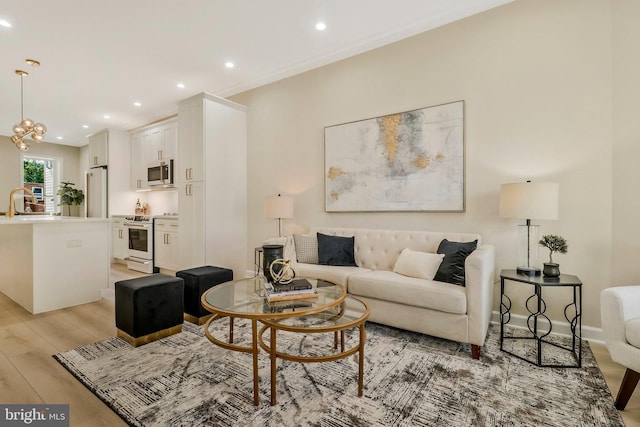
x=21 y=99
x=528 y=243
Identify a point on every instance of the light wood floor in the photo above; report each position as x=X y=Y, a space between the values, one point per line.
x=28 y=373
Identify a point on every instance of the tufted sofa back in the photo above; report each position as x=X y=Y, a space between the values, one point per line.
x=379 y=249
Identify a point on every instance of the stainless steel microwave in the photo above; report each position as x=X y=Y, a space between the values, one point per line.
x=160 y=173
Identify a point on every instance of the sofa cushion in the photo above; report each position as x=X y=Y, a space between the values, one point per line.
x=306 y=248
x=452 y=268
x=393 y=287
x=632 y=332
x=421 y=265
x=337 y=275
x=336 y=250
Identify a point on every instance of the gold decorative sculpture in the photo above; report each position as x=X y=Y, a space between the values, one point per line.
x=285 y=274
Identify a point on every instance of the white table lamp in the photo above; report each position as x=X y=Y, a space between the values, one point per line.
x=280 y=207
x=529 y=200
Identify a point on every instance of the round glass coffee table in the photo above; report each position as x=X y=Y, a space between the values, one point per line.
x=245 y=298
x=351 y=313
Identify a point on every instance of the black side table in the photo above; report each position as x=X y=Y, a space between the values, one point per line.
x=257 y=261
x=538 y=319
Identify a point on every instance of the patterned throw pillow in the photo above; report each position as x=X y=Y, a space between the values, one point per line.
x=306 y=248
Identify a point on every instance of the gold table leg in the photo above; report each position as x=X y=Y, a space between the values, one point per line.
x=254 y=347
x=272 y=355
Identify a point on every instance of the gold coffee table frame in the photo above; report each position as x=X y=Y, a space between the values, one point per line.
x=334 y=322
x=245 y=299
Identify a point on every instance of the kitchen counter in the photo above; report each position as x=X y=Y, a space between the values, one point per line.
x=37 y=219
x=51 y=262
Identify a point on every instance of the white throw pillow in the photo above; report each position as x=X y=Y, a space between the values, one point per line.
x=421 y=265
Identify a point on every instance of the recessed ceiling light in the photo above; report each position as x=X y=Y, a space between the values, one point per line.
x=4 y=23
x=137 y=104
x=180 y=85
x=229 y=64
x=58 y=137
x=85 y=126
x=321 y=26
x=106 y=116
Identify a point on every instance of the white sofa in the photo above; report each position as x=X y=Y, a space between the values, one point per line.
x=458 y=313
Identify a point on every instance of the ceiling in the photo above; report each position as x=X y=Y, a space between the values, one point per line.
x=99 y=57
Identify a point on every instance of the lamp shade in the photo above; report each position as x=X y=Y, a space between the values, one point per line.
x=529 y=200
x=279 y=207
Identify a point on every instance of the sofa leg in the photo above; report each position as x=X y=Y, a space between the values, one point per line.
x=629 y=383
x=475 y=351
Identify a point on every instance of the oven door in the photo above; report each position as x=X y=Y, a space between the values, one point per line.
x=140 y=240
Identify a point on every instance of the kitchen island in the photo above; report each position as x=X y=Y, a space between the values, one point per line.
x=51 y=262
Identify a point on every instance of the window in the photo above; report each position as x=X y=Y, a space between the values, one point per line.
x=41 y=175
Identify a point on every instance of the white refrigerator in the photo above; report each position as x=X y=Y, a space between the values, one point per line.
x=95 y=194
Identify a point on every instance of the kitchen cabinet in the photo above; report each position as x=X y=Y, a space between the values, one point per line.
x=99 y=149
x=119 y=239
x=138 y=167
x=112 y=148
x=166 y=242
x=192 y=224
x=190 y=162
x=152 y=144
x=160 y=141
x=212 y=180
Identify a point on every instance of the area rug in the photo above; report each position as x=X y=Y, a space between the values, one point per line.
x=410 y=380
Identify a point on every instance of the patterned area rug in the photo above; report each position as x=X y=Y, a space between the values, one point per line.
x=410 y=380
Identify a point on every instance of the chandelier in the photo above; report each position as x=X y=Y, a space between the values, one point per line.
x=26 y=127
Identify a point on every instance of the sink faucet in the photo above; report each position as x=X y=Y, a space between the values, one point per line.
x=12 y=207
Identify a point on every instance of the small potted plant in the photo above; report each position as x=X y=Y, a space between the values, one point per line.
x=70 y=196
x=554 y=244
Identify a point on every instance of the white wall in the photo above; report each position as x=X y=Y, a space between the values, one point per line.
x=536 y=78
x=10 y=167
x=626 y=143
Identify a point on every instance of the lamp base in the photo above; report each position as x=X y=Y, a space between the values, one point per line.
x=529 y=271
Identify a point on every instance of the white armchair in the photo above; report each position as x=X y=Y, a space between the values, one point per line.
x=620 y=310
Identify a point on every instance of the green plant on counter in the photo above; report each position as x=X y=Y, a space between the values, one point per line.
x=70 y=196
x=554 y=244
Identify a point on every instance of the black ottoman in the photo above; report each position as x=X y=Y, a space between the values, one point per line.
x=149 y=308
x=196 y=282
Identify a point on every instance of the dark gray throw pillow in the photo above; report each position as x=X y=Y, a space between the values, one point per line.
x=336 y=250
x=452 y=268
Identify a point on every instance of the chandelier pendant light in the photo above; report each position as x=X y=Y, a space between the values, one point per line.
x=26 y=127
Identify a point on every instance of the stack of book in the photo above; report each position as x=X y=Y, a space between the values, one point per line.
x=297 y=289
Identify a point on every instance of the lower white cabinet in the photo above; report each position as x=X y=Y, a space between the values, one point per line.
x=166 y=242
x=119 y=239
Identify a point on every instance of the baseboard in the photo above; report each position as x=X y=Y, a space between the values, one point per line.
x=559 y=328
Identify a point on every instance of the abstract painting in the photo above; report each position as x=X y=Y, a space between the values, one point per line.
x=410 y=161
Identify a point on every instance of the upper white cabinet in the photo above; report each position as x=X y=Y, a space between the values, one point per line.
x=111 y=148
x=160 y=141
x=151 y=145
x=138 y=168
x=99 y=149
x=191 y=146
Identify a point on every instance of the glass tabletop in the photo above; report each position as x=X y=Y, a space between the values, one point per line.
x=350 y=312
x=247 y=298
